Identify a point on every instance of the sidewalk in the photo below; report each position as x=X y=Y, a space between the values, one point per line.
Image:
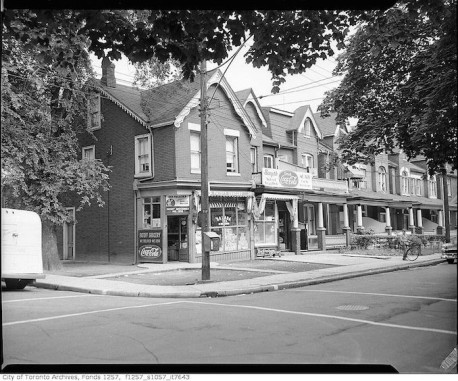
x=91 y=277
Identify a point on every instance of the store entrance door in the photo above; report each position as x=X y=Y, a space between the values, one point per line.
x=284 y=232
x=177 y=238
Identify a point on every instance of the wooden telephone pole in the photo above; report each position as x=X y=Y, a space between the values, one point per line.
x=204 y=200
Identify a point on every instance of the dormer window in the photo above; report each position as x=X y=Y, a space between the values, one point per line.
x=307 y=127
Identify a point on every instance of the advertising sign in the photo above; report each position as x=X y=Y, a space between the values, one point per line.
x=177 y=204
x=277 y=178
x=150 y=246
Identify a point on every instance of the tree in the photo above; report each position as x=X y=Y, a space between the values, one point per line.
x=286 y=42
x=43 y=110
x=400 y=83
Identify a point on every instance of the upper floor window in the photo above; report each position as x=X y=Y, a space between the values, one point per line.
x=268 y=161
x=93 y=112
x=307 y=160
x=382 y=179
x=404 y=183
x=254 y=159
x=232 y=162
x=432 y=187
x=143 y=155
x=195 y=151
x=449 y=186
x=307 y=127
x=88 y=153
x=417 y=187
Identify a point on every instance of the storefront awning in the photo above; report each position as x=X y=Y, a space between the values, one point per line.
x=215 y=193
x=273 y=196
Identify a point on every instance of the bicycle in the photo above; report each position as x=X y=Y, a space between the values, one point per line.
x=411 y=251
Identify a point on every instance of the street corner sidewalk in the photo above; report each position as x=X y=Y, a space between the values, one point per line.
x=91 y=278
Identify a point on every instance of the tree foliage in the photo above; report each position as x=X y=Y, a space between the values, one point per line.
x=43 y=110
x=286 y=42
x=400 y=83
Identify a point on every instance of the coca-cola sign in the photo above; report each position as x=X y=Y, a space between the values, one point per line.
x=288 y=179
x=150 y=245
x=150 y=252
x=277 y=178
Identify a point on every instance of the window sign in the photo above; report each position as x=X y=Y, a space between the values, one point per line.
x=151 y=212
x=177 y=204
x=277 y=178
x=150 y=245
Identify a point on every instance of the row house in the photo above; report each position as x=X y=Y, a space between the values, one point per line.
x=267 y=185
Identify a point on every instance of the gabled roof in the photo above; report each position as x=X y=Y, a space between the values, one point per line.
x=327 y=124
x=171 y=103
x=126 y=97
x=247 y=96
x=298 y=119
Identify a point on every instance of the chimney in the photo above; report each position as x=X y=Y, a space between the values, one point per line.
x=108 y=73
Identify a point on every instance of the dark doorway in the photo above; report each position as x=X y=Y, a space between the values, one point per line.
x=177 y=238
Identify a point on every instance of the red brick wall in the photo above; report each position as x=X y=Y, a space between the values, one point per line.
x=107 y=233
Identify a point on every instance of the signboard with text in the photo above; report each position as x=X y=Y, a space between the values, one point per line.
x=177 y=204
x=278 y=178
x=150 y=245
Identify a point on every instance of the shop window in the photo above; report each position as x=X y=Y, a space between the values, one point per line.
x=264 y=227
x=93 y=112
x=228 y=219
x=143 y=155
x=88 y=153
x=195 y=151
x=254 y=159
x=151 y=212
x=268 y=161
x=382 y=179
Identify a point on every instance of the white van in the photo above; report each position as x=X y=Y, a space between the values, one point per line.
x=22 y=261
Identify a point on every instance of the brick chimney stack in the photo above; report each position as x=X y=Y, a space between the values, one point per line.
x=108 y=73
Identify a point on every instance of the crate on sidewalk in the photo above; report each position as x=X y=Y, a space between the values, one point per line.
x=267 y=252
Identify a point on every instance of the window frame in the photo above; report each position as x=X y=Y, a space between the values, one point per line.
x=90 y=113
x=405 y=183
x=254 y=159
x=150 y=160
x=86 y=149
x=198 y=153
x=234 y=136
x=307 y=156
x=271 y=158
x=382 y=179
x=308 y=128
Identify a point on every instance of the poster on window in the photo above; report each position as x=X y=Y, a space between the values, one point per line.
x=177 y=204
x=277 y=178
x=150 y=246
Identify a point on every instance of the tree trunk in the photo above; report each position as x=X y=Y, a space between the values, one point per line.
x=51 y=261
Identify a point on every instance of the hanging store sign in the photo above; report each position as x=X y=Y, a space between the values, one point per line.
x=177 y=204
x=277 y=178
x=150 y=246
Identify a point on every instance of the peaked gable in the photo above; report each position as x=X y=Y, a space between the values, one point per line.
x=247 y=96
x=299 y=117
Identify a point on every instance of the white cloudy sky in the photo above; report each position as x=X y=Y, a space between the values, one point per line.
x=307 y=88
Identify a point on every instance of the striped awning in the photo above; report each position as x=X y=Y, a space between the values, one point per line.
x=273 y=196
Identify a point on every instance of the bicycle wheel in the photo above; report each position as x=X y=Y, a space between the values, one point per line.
x=413 y=253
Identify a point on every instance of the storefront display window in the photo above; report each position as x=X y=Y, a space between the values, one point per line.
x=151 y=212
x=264 y=227
x=228 y=219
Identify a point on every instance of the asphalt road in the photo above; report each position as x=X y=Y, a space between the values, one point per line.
x=406 y=319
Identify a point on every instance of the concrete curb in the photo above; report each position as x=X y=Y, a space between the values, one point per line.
x=235 y=291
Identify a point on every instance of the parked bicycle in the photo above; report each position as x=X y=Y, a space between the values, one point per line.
x=411 y=251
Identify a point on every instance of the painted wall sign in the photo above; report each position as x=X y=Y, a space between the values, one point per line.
x=277 y=178
x=150 y=246
x=177 y=204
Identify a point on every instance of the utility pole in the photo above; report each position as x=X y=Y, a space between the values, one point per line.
x=446 y=206
x=204 y=202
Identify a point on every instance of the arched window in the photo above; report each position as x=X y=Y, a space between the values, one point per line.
x=382 y=179
x=307 y=127
x=404 y=182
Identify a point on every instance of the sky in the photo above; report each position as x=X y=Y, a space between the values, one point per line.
x=302 y=89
